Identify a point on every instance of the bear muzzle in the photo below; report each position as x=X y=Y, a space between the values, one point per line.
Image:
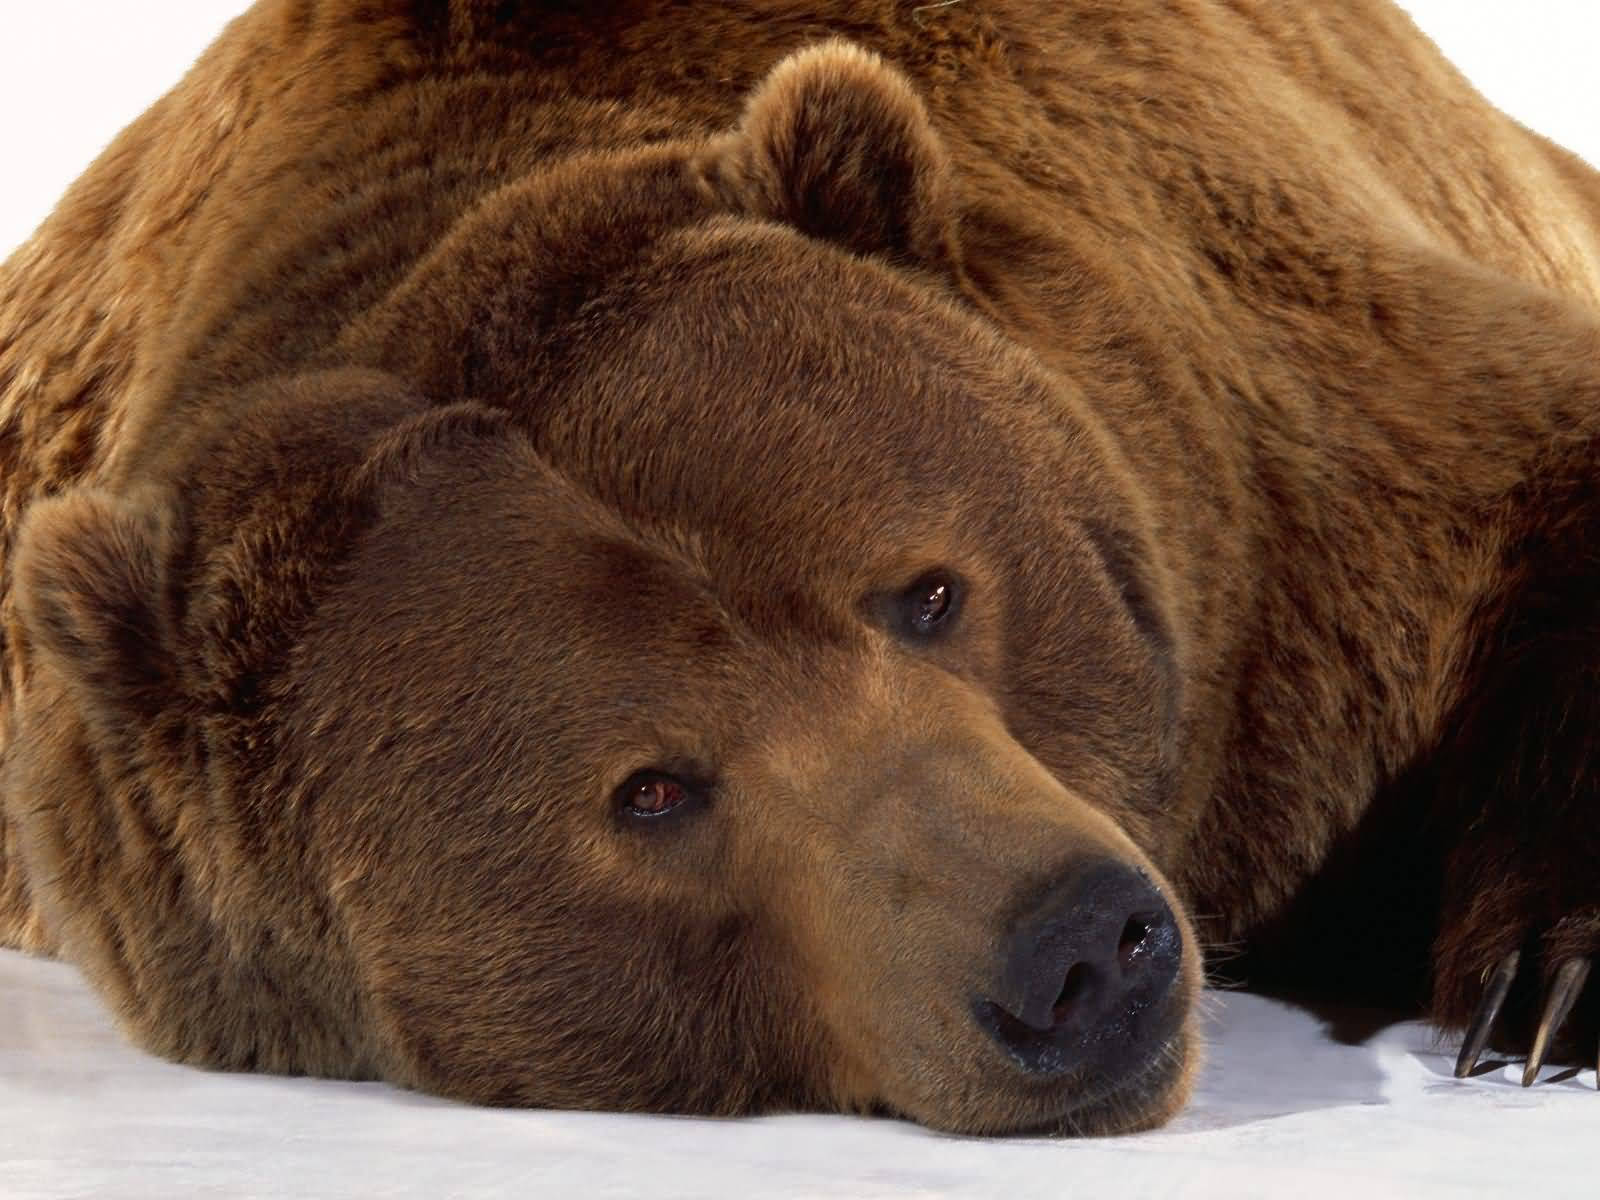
x=1003 y=961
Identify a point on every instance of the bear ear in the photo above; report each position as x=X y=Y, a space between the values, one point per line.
x=90 y=587
x=838 y=144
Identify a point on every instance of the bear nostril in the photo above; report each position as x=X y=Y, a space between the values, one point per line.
x=1133 y=938
x=1075 y=996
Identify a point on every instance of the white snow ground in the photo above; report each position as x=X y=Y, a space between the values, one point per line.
x=1282 y=1111
x=1283 y=1108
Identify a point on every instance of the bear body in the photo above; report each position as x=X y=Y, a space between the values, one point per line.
x=636 y=557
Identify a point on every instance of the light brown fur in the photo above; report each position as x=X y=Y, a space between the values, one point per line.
x=429 y=413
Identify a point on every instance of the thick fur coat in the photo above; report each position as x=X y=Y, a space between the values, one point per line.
x=609 y=555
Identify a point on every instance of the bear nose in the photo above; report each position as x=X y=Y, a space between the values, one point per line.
x=1089 y=973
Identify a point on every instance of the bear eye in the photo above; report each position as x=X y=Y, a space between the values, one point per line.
x=928 y=604
x=650 y=794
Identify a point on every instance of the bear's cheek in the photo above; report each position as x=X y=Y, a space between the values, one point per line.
x=566 y=987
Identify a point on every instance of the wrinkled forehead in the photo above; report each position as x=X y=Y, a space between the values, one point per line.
x=784 y=394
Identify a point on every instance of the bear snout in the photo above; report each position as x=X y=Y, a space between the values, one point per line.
x=1090 y=976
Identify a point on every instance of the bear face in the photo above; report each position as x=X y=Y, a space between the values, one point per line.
x=818 y=908
x=693 y=729
x=865 y=811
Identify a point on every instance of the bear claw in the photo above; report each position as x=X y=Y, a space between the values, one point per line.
x=1564 y=991
x=1499 y=985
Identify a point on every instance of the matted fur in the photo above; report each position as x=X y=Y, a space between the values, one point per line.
x=430 y=413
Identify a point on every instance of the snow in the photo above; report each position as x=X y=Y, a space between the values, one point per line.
x=1282 y=1110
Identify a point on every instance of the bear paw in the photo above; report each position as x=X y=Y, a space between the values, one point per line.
x=1519 y=928
x=1567 y=1017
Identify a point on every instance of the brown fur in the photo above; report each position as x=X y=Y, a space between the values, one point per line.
x=430 y=413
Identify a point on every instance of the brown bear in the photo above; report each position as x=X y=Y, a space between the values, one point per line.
x=795 y=555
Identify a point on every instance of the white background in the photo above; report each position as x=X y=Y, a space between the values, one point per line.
x=73 y=74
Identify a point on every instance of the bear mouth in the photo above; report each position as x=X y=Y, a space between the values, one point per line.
x=1140 y=1032
x=1137 y=1097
